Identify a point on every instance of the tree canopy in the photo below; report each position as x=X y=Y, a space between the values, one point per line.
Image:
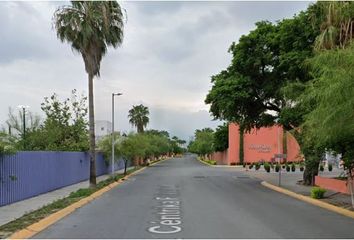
x=139 y=117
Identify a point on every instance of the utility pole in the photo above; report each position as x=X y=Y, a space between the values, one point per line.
x=113 y=140
x=24 y=124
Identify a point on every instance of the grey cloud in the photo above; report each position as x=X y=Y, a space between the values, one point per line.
x=169 y=52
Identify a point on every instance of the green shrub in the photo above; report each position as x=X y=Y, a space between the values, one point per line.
x=287 y=167
x=258 y=166
x=277 y=167
x=212 y=162
x=330 y=167
x=244 y=165
x=293 y=167
x=251 y=166
x=317 y=192
x=302 y=168
x=266 y=167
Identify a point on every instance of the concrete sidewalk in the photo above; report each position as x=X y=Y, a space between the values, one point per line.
x=289 y=180
x=15 y=210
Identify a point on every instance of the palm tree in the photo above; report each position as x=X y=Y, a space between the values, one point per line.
x=138 y=117
x=337 y=24
x=90 y=27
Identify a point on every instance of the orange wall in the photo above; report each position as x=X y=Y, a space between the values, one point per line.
x=220 y=157
x=293 y=148
x=234 y=144
x=261 y=144
x=332 y=184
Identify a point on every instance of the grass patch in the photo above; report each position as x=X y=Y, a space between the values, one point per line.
x=32 y=217
x=211 y=162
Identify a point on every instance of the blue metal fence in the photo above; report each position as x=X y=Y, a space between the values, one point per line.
x=27 y=174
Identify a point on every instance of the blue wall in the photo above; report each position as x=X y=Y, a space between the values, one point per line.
x=27 y=174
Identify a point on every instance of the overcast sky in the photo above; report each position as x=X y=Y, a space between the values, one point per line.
x=170 y=51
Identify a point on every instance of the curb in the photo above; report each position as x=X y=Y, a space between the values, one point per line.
x=44 y=223
x=310 y=200
x=219 y=166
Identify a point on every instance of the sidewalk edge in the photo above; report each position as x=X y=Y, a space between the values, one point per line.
x=219 y=166
x=310 y=200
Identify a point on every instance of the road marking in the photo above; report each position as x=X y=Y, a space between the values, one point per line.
x=168 y=212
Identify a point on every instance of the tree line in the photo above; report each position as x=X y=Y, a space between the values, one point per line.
x=207 y=141
x=65 y=128
x=296 y=72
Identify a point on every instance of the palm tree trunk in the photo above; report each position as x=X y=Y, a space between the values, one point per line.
x=92 y=133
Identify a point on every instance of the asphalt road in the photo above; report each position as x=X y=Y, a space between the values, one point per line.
x=182 y=198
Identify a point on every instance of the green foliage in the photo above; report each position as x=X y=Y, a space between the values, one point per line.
x=317 y=193
x=7 y=145
x=105 y=145
x=266 y=167
x=257 y=166
x=203 y=142
x=337 y=19
x=277 y=167
x=211 y=162
x=293 y=167
x=65 y=127
x=287 y=168
x=331 y=123
x=221 y=138
x=90 y=27
x=150 y=144
x=264 y=61
x=82 y=192
x=139 y=117
x=251 y=166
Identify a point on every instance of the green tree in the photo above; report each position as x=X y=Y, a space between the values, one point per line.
x=331 y=122
x=250 y=91
x=221 y=137
x=203 y=142
x=139 y=117
x=105 y=145
x=337 y=23
x=6 y=144
x=90 y=27
x=65 y=127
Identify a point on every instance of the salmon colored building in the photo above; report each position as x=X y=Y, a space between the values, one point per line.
x=259 y=145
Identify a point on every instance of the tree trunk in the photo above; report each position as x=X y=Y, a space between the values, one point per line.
x=241 y=151
x=285 y=144
x=92 y=133
x=311 y=168
x=125 y=166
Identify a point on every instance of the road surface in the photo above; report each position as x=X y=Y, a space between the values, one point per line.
x=182 y=198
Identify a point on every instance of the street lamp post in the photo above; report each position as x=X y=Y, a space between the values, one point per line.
x=24 y=124
x=113 y=142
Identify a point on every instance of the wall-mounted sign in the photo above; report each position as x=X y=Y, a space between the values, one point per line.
x=261 y=148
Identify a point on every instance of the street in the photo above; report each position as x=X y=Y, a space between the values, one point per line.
x=183 y=198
